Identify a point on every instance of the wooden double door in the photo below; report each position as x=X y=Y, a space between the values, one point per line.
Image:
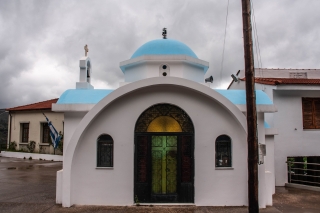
x=164 y=168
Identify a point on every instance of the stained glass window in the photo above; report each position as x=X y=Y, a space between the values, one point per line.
x=161 y=115
x=223 y=151
x=105 y=151
x=164 y=124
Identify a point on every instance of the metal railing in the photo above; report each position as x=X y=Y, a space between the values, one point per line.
x=304 y=173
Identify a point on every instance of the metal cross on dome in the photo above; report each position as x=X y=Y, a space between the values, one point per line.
x=164 y=33
x=86 y=50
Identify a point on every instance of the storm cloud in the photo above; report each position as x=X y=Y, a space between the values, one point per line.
x=42 y=41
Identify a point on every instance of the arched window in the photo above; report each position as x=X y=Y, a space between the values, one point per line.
x=105 y=151
x=223 y=151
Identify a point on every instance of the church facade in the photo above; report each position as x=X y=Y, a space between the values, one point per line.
x=162 y=137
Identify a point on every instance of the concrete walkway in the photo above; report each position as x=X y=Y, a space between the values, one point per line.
x=29 y=186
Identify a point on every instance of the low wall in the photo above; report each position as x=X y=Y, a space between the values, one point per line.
x=300 y=186
x=59 y=187
x=33 y=155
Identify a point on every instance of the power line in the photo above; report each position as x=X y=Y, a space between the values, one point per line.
x=224 y=42
x=256 y=37
x=257 y=44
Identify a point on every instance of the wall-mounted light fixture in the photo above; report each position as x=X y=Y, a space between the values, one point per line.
x=209 y=79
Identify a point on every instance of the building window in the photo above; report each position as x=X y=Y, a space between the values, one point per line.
x=311 y=113
x=25 y=132
x=105 y=151
x=45 y=133
x=223 y=151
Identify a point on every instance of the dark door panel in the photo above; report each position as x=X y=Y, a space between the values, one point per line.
x=164 y=168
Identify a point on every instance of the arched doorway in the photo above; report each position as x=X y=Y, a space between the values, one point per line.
x=164 y=156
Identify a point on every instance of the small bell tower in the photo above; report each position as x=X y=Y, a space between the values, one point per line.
x=85 y=71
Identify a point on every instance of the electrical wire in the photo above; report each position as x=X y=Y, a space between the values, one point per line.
x=255 y=35
x=257 y=44
x=224 y=42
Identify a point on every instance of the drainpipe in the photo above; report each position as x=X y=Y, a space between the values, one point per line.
x=9 y=130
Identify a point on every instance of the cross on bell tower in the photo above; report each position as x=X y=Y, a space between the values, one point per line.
x=86 y=50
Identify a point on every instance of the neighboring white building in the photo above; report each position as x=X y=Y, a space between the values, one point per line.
x=296 y=93
x=27 y=123
x=163 y=136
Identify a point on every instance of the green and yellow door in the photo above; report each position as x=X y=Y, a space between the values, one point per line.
x=164 y=162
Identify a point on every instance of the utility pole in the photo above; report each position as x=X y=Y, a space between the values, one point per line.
x=252 y=138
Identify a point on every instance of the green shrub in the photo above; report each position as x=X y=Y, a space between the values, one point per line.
x=12 y=146
x=60 y=146
x=31 y=146
x=136 y=199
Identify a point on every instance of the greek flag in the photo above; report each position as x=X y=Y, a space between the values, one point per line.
x=55 y=137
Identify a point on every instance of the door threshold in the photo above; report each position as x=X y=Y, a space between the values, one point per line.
x=166 y=204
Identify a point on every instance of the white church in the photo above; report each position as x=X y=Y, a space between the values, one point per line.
x=163 y=137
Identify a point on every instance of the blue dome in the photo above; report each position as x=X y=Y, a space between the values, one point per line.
x=164 y=47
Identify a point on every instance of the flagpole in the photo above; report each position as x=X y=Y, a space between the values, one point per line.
x=54 y=135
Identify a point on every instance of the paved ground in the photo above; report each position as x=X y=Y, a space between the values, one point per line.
x=29 y=186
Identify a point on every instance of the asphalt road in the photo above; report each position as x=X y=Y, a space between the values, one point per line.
x=29 y=186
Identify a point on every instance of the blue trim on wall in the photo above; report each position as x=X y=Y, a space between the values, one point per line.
x=238 y=97
x=164 y=47
x=83 y=96
x=266 y=125
x=93 y=96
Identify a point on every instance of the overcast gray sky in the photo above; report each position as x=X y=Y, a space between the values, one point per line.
x=42 y=41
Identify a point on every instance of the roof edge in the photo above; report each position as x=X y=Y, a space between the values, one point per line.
x=34 y=106
x=286 y=81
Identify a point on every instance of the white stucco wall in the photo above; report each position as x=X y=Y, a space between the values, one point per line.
x=292 y=139
x=115 y=186
x=59 y=187
x=261 y=167
x=269 y=167
x=178 y=66
x=135 y=73
x=89 y=185
x=72 y=119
